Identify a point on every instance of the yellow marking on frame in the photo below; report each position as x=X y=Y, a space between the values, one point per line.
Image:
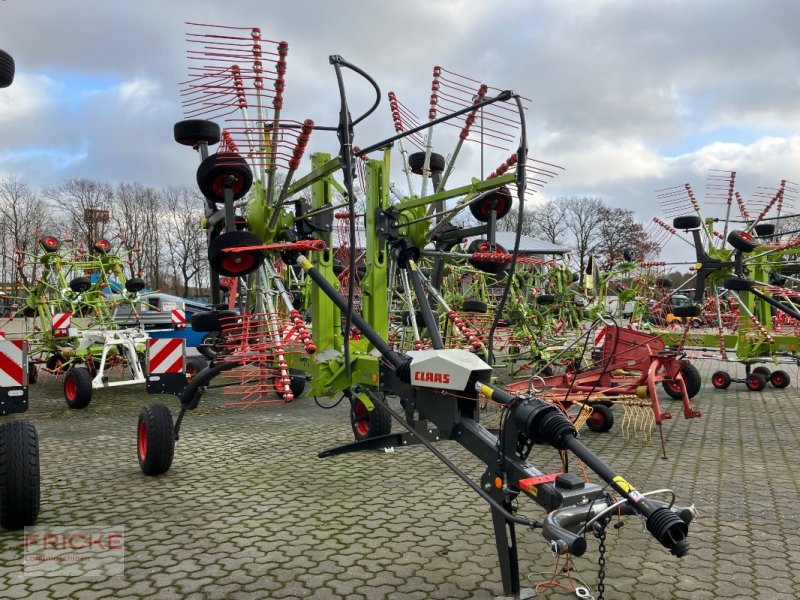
x=623 y=485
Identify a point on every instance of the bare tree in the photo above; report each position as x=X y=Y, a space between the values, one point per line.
x=618 y=231
x=25 y=219
x=86 y=206
x=187 y=241
x=582 y=219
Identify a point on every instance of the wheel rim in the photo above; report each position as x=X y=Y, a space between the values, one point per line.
x=718 y=380
x=361 y=422
x=141 y=438
x=674 y=386
x=777 y=380
x=50 y=243
x=219 y=185
x=70 y=388
x=596 y=419
x=103 y=245
x=753 y=382
x=746 y=236
x=239 y=262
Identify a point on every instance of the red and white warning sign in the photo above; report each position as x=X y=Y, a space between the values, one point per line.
x=61 y=324
x=166 y=356
x=13 y=363
x=179 y=318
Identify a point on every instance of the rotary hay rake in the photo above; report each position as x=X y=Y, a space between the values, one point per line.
x=71 y=319
x=347 y=350
x=744 y=279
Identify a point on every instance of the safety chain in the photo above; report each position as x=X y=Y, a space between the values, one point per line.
x=601 y=562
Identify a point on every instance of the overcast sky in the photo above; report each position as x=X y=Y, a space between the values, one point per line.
x=628 y=96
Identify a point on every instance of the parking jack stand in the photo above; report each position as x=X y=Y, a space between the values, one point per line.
x=505 y=538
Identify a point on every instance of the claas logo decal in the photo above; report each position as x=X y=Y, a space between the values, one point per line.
x=432 y=377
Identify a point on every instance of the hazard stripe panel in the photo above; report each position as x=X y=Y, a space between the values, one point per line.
x=166 y=355
x=13 y=355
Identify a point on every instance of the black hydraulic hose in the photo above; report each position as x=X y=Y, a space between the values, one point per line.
x=345 y=134
x=501 y=97
x=424 y=305
x=396 y=360
x=779 y=305
x=522 y=158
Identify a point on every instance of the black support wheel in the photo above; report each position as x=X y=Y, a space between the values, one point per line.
x=298 y=384
x=195 y=131
x=194 y=364
x=475 y=306
x=755 y=382
x=155 y=439
x=134 y=285
x=487 y=266
x=214 y=171
x=19 y=474
x=78 y=387
x=687 y=222
x=416 y=162
x=7 y=69
x=742 y=241
x=780 y=379
x=369 y=423
x=721 y=380
x=601 y=420
x=235 y=263
x=763 y=371
x=691 y=378
x=737 y=284
x=80 y=284
x=49 y=243
x=500 y=199
x=765 y=229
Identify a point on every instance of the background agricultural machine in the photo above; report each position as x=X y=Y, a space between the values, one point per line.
x=744 y=281
x=19 y=440
x=281 y=244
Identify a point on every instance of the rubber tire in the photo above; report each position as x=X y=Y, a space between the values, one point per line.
x=545 y=299
x=475 y=306
x=737 y=284
x=20 y=485
x=194 y=364
x=82 y=380
x=629 y=255
x=368 y=424
x=417 y=160
x=80 y=284
x=486 y=266
x=688 y=222
x=213 y=170
x=483 y=207
x=604 y=420
x=664 y=282
x=209 y=348
x=134 y=285
x=155 y=439
x=764 y=371
x=33 y=373
x=742 y=241
x=7 y=69
x=194 y=131
x=780 y=379
x=755 y=382
x=688 y=310
x=298 y=383
x=721 y=380
x=765 y=229
x=223 y=262
x=212 y=321
x=49 y=243
x=102 y=246
x=692 y=379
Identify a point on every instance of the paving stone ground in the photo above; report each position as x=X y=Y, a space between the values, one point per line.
x=249 y=511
